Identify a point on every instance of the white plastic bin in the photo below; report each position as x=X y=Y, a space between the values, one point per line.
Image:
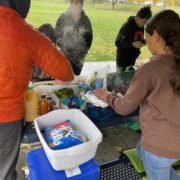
x=76 y=155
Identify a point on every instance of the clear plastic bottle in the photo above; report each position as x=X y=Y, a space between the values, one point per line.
x=43 y=105
x=31 y=104
x=99 y=81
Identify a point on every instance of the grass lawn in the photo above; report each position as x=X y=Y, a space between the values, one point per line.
x=105 y=22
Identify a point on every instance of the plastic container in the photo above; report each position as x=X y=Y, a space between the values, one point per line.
x=76 y=155
x=55 y=100
x=31 y=104
x=59 y=102
x=40 y=168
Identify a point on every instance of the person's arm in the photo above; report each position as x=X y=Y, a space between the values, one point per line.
x=125 y=36
x=51 y=59
x=137 y=92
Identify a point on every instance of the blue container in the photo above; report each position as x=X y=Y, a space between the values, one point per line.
x=41 y=169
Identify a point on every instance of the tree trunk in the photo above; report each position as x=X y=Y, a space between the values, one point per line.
x=165 y=2
x=113 y=3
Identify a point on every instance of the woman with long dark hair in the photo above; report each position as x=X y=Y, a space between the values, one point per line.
x=156 y=88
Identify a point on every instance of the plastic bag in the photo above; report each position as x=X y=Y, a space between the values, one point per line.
x=75 y=102
x=61 y=136
x=94 y=100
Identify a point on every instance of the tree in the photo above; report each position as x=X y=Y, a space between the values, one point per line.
x=114 y=3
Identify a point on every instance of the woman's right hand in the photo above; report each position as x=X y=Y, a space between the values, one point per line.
x=102 y=94
x=137 y=44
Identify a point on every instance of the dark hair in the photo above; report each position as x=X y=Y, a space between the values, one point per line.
x=48 y=30
x=145 y=12
x=167 y=24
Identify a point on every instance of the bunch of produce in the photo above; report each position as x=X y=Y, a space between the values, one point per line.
x=65 y=93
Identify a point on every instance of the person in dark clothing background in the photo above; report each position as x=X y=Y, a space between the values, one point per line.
x=130 y=39
x=74 y=34
x=48 y=30
x=38 y=74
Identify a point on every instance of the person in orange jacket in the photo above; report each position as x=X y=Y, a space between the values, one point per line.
x=21 y=46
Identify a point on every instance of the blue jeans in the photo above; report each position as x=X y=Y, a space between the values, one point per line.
x=157 y=167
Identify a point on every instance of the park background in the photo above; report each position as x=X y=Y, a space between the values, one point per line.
x=106 y=18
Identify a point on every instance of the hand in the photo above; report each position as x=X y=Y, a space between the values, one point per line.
x=137 y=44
x=102 y=94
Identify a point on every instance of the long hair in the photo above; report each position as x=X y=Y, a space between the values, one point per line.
x=167 y=24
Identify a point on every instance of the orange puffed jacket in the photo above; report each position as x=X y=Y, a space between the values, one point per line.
x=21 y=46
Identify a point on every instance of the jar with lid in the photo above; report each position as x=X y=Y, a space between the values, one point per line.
x=50 y=106
x=43 y=105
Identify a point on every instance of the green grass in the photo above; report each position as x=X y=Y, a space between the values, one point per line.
x=105 y=22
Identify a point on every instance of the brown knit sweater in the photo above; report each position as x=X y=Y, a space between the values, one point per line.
x=159 y=106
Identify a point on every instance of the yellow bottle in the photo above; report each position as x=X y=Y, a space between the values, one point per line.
x=31 y=104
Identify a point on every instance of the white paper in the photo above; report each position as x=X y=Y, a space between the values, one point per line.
x=72 y=171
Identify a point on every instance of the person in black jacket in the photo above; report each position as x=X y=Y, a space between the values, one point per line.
x=130 y=39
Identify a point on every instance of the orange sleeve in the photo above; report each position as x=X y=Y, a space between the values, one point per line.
x=52 y=60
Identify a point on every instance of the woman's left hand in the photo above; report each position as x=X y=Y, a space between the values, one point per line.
x=102 y=94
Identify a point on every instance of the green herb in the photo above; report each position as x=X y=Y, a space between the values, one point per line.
x=65 y=93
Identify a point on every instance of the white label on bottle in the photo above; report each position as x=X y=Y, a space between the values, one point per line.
x=72 y=171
